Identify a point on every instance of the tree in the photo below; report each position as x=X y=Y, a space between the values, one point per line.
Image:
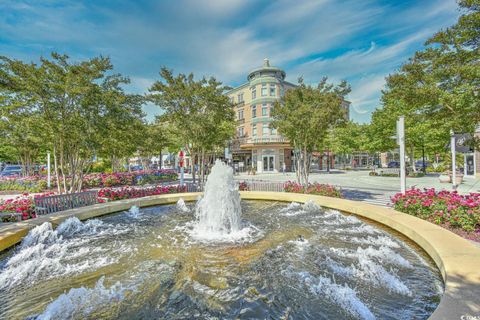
x=348 y=138
x=72 y=107
x=200 y=114
x=304 y=116
x=123 y=128
x=437 y=89
x=159 y=136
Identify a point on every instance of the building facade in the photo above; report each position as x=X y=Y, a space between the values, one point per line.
x=256 y=145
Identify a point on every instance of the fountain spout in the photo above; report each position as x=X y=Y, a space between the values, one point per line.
x=218 y=212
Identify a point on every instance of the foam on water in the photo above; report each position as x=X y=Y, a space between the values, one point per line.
x=89 y=302
x=310 y=206
x=249 y=233
x=295 y=208
x=46 y=253
x=342 y=295
x=366 y=268
x=133 y=212
x=182 y=206
x=81 y=302
x=376 y=241
x=218 y=212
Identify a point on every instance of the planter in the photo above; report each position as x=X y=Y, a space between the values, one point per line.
x=458 y=179
x=445 y=178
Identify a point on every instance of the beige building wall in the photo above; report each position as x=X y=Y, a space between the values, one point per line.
x=256 y=144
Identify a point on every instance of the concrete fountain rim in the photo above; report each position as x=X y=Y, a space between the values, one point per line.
x=457 y=259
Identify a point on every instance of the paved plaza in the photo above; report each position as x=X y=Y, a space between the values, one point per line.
x=358 y=185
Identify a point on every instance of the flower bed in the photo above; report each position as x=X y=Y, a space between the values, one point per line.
x=313 y=188
x=101 y=180
x=129 y=192
x=38 y=183
x=449 y=209
x=35 y=183
x=23 y=207
x=20 y=208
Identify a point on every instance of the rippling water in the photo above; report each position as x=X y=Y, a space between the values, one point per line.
x=290 y=261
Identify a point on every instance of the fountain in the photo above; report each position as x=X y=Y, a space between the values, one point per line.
x=218 y=212
x=165 y=262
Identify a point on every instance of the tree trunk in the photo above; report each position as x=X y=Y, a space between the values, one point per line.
x=55 y=163
x=412 y=158
x=160 y=160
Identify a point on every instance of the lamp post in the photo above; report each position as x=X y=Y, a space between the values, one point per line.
x=182 y=170
x=401 y=144
x=48 y=171
x=454 y=165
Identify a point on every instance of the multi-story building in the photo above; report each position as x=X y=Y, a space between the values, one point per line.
x=256 y=144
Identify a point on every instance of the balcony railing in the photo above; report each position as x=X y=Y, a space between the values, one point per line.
x=271 y=139
x=241 y=121
x=237 y=142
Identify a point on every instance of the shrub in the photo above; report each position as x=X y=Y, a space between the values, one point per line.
x=129 y=192
x=441 y=207
x=313 y=188
x=35 y=183
x=418 y=174
x=22 y=206
x=243 y=186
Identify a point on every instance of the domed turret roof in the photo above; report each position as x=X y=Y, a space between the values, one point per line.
x=266 y=70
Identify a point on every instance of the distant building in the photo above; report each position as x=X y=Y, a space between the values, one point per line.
x=256 y=145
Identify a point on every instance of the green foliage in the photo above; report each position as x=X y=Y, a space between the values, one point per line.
x=348 y=138
x=75 y=109
x=305 y=115
x=197 y=112
x=437 y=90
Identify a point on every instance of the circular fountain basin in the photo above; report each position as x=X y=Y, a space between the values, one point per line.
x=294 y=261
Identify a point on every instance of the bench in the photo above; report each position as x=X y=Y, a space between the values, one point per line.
x=45 y=205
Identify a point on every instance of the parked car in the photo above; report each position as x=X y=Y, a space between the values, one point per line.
x=419 y=164
x=393 y=164
x=11 y=171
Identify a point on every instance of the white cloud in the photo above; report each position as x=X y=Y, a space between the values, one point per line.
x=359 y=40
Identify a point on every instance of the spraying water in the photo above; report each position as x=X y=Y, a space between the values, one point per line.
x=218 y=212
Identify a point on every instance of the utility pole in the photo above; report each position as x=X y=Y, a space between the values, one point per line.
x=401 y=144
x=454 y=165
x=48 y=171
x=182 y=170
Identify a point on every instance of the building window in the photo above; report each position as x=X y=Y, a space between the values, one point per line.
x=272 y=90
x=232 y=99
x=240 y=114
x=254 y=92
x=264 y=110
x=254 y=111
x=265 y=129
x=282 y=90
x=254 y=130
x=240 y=97
x=241 y=132
x=264 y=89
x=273 y=131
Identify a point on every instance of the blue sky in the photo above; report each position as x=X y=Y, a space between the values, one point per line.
x=361 y=41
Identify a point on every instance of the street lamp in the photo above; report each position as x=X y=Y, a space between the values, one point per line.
x=454 y=165
x=401 y=144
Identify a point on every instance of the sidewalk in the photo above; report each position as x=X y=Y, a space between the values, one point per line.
x=358 y=185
